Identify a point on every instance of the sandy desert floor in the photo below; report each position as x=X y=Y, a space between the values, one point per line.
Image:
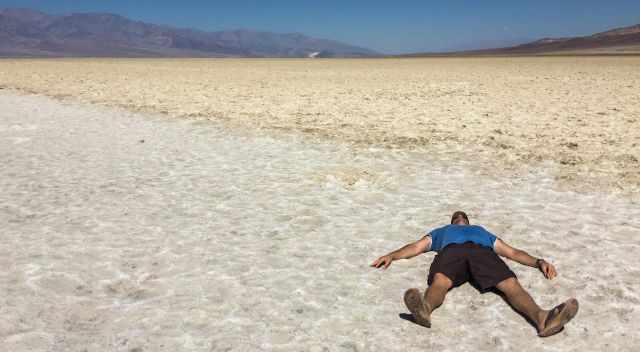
x=130 y=232
x=506 y=115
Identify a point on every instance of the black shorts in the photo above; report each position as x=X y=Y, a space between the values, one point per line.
x=470 y=262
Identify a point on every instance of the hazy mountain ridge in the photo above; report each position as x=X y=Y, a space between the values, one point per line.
x=618 y=40
x=619 y=31
x=26 y=32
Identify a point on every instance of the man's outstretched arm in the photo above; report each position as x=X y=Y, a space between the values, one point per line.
x=522 y=257
x=409 y=251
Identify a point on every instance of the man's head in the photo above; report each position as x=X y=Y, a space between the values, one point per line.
x=460 y=218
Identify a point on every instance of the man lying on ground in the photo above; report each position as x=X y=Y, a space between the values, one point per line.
x=470 y=253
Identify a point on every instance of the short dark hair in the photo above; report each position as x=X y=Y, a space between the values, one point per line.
x=457 y=214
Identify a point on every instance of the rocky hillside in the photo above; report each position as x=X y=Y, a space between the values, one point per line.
x=615 y=41
x=32 y=33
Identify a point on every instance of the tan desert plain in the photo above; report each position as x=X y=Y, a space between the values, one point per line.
x=235 y=204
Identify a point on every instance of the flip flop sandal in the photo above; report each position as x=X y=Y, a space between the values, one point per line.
x=558 y=317
x=413 y=301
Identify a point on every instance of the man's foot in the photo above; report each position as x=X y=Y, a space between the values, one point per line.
x=558 y=317
x=420 y=312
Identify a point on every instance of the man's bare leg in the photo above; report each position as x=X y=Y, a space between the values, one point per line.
x=420 y=308
x=548 y=322
x=437 y=291
x=521 y=300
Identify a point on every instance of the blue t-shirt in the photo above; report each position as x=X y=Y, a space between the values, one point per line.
x=446 y=235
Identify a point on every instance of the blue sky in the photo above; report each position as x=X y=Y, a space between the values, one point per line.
x=386 y=26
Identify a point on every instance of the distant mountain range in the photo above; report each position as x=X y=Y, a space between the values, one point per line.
x=616 y=41
x=30 y=33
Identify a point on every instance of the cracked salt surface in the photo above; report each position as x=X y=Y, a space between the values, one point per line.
x=204 y=239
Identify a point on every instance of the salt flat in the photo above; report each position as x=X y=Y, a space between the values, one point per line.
x=130 y=232
x=507 y=115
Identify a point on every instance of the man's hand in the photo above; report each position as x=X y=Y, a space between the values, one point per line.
x=409 y=251
x=522 y=257
x=548 y=270
x=383 y=261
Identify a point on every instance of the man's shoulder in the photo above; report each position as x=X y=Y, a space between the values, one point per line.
x=439 y=229
x=481 y=229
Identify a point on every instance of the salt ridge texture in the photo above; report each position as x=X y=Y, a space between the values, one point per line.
x=123 y=232
x=504 y=114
